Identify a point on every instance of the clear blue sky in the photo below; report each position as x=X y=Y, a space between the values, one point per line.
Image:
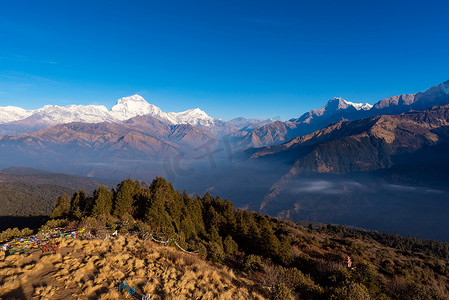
x=230 y=58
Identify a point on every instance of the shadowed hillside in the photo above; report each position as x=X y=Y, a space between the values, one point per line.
x=27 y=191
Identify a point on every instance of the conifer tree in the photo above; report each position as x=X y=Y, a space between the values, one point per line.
x=75 y=206
x=230 y=246
x=157 y=214
x=212 y=218
x=207 y=200
x=229 y=217
x=85 y=203
x=62 y=207
x=268 y=243
x=215 y=237
x=141 y=199
x=124 y=198
x=103 y=201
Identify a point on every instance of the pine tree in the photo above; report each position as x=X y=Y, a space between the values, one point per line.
x=85 y=203
x=207 y=200
x=212 y=218
x=75 y=206
x=103 y=201
x=229 y=217
x=157 y=213
x=142 y=200
x=268 y=243
x=230 y=246
x=124 y=198
x=62 y=207
x=215 y=237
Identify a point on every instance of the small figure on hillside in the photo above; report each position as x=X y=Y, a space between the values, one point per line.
x=348 y=262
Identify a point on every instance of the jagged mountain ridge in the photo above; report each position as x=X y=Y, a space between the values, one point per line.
x=342 y=148
x=338 y=109
x=150 y=137
x=435 y=96
x=15 y=120
x=125 y=109
x=254 y=132
x=335 y=110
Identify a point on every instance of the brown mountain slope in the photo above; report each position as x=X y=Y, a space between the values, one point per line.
x=363 y=145
x=337 y=110
x=103 y=150
x=359 y=146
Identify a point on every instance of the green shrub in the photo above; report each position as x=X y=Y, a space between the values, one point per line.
x=253 y=263
x=54 y=223
x=350 y=291
x=230 y=245
x=12 y=233
x=281 y=292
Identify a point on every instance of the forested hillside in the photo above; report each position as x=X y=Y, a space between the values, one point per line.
x=35 y=176
x=22 y=199
x=304 y=261
x=28 y=191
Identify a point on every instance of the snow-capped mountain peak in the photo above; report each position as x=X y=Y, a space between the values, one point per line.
x=125 y=109
x=333 y=106
x=133 y=106
x=13 y=113
x=72 y=113
x=136 y=105
x=360 y=106
x=340 y=103
x=192 y=116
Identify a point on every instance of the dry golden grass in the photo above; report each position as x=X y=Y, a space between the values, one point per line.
x=93 y=270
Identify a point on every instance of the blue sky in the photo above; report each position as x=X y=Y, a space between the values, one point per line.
x=230 y=58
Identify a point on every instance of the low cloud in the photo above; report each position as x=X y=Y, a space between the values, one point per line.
x=325 y=186
x=405 y=188
x=338 y=187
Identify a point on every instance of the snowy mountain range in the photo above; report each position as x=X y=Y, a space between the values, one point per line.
x=16 y=120
x=125 y=109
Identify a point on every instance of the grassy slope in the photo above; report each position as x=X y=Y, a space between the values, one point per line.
x=93 y=269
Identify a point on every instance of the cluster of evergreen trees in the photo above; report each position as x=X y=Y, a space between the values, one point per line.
x=208 y=220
